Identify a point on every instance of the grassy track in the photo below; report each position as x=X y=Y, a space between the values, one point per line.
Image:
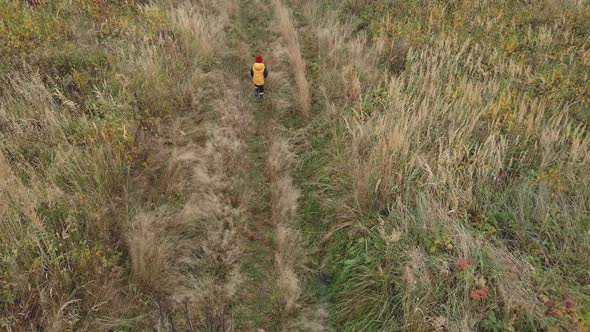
x=255 y=307
x=265 y=302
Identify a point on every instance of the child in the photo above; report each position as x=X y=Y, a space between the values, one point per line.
x=259 y=73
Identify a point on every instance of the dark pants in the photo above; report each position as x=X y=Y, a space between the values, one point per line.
x=259 y=88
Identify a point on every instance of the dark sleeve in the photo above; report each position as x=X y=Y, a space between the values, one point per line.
x=251 y=72
x=265 y=72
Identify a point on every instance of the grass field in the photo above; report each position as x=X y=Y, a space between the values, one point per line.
x=416 y=166
x=91 y=233
x=456 y=180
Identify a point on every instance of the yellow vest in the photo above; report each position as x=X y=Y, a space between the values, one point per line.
x=258 y=70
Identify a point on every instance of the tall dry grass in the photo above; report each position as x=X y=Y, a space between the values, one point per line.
x=44 y=174
x=447 y=161
x=88 y=242
x=199 y=29
x=288 y=249
x=289 y=34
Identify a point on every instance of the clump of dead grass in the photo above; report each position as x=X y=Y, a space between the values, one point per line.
x=151 y=251
x=288 y=252
x=199 y=29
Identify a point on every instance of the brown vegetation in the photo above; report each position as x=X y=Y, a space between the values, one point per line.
x=289 y=34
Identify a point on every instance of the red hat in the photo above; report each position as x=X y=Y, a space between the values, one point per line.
x=258 y=59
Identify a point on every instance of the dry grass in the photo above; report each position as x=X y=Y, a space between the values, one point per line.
x=151 y=252
x=199 y=29
x=419 y=137
x=287 y=253
x=297 y=62
x=206 y=240
x=86 y=191
x=13 y=191
x=444 y=160
x=35 y=218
